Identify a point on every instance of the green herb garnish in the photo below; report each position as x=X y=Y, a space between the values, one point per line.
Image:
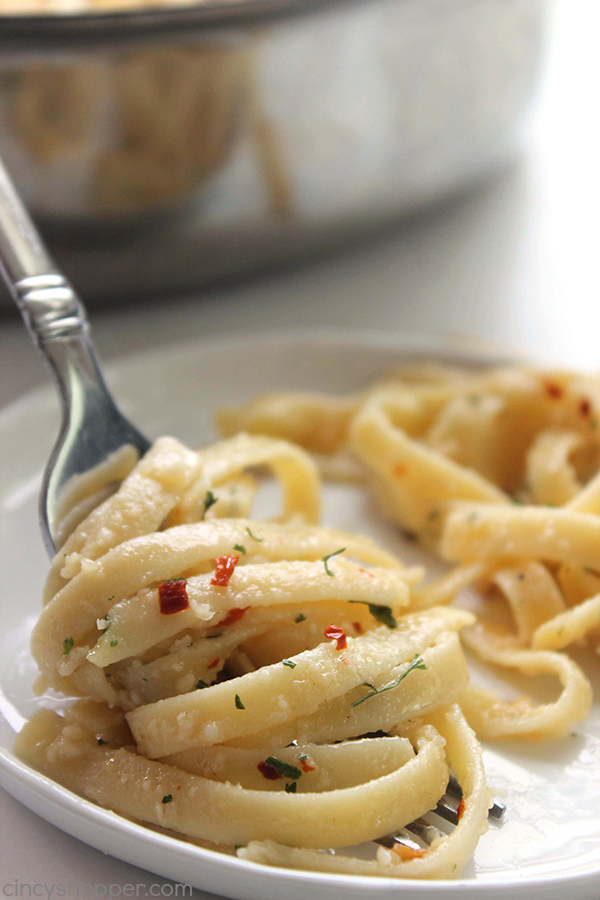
x=210 y=637
x=300 y=618
x=209 y=501
x=240 y=548
x=417 y=663
x=167 y=798
x=200 y=684
x=113 y=643
x=101 y=743
x=238 y=702
x=285 y=769
x=68 y=645
x=289 y=663
x=253 y=536
x=325 y=560
x=381 y=613
x=291 y=788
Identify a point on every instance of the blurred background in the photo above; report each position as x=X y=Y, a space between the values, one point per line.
x=424 y=165
x=387 y=165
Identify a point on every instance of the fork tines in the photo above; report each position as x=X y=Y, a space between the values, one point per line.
x=420 y=834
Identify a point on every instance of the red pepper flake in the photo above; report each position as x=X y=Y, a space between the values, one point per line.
x=553 y=390
x=268 y=771
x=307 y=766
x=337 y=634
x=172 y=596
x=357 y=627
x=224 y=569
x=400 y=470
x=234 y=615
x=407 y=853
x=213 y=664
x=585 y=407
x=461 y=809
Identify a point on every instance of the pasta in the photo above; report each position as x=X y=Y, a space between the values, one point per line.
x=278 y=688
x=497 y=471
x=250 y=684
x=148 y=130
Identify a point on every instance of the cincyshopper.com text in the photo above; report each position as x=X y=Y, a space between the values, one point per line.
x=21 y=890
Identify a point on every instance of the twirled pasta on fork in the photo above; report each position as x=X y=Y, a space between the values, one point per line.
x=267 y=687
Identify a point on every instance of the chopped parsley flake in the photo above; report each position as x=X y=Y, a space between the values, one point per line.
x=144 y=679
x=325 y=560
x=113 y=643
x=289 y=663
x=383 y=614
x=253 y=536
x=238 y=702
x=285 y=769
x=240 y=548
x=417 y=663
x=68 y=645
x=291 y=788
x=300 y=618
x=200 y=684
x=209 y=637
x=167 y=798
x=209 y=501
x=101 y=743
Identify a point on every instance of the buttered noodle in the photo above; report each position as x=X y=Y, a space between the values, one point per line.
x=278 y=688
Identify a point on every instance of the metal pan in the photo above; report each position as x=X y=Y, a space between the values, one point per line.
x=164 y=147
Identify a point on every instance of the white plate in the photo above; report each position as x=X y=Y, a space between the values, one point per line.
x=550 y=841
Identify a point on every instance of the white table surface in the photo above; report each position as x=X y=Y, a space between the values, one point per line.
x=515 y=262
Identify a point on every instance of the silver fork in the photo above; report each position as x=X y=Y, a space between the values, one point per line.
x=421 y=833
x=92 y=428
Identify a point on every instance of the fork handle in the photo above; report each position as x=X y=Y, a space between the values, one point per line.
x=48 y=303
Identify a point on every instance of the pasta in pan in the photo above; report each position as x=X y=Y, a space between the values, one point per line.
x=282 y=690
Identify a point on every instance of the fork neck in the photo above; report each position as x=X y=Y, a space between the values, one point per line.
x=54 y=315
x=50 y=308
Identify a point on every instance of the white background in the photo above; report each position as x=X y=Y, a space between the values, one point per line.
x=515 y=262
